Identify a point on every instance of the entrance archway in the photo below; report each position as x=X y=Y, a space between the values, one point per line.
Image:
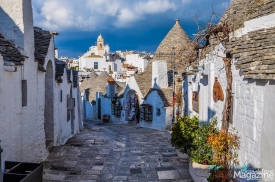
x=132 y=107
x=48 y=111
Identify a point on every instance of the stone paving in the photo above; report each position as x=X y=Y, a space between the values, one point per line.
x=109 y=152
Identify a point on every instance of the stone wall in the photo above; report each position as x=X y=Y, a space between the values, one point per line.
x=244 y=10
x=255 y=53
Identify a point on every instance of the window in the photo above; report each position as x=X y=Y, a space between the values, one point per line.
x=95 y=65
x=158 y=112
x=60 y=95
x=24 y=92
x=196 y=101
x=146 y=112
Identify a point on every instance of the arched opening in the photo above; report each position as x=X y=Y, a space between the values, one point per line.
x=132 y=111
x=48 y=111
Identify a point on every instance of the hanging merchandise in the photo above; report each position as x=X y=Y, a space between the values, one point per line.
x=146 y=112
x=116 y=106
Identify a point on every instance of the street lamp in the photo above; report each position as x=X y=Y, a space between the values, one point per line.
x=173 y=84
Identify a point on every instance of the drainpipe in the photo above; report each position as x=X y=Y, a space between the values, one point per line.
x=1 y=176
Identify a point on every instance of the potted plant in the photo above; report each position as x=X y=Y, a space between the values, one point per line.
x=183 y=132
x=225 y=146
x=106 y=118
x=201 y=154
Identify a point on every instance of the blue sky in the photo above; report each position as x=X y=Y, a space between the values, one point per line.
x=124 y=24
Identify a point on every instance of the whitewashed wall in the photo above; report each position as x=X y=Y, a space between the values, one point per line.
x=22 y=128
x=137 y=61
x=159 y=74
x=161 y=122
x=90 y=110
x=253 y=115
x=131 y=86
x=106 y=108
x=65 y=129
x=102 y=64
x=248 y=105
x=268 y=125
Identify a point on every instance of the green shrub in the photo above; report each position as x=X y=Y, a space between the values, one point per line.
x=201 y=151
x=183 y=132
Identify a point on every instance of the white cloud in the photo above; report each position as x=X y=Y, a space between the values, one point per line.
x=142 y=8
x=99 y=14
x=92 y=14
x=186 y=1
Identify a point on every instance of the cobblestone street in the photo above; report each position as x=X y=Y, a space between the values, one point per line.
x=115 y=153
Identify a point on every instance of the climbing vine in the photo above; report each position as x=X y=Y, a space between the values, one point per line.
x=228 y=101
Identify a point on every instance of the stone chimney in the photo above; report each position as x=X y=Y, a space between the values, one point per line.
x=177 y=21
x=56 y=53
x=16 y=24
x=159 y=74
x=111 y=88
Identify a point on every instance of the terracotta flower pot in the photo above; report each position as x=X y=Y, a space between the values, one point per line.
x=199 y=172
x=105 y=120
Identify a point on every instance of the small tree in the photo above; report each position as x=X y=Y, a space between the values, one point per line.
x=177 y=101
x=183 y=132
x=201 y=150
x=225 y=146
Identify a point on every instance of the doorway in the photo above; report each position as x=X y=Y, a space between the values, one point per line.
x=72 y=110
x=99 y=109
x=132 y=111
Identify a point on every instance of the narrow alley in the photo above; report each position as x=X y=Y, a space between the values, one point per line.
x=109 y=152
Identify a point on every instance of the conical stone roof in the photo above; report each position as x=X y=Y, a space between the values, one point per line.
x=99 y=83
x=176 y=38
x=144 y=79
x=88 y=82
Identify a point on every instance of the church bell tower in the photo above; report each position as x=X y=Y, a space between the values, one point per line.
x=100 y=46
x=100 y=43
